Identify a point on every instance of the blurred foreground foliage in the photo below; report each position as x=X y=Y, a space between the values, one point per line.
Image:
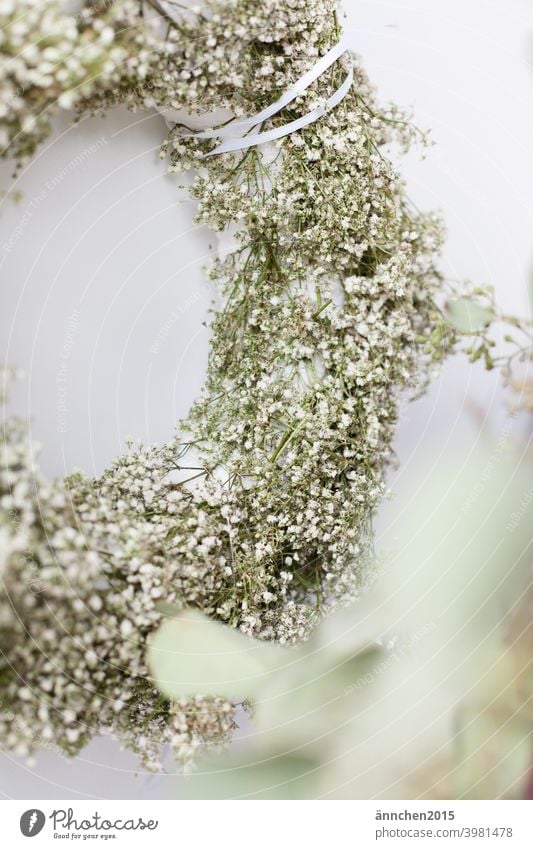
x=422 y=689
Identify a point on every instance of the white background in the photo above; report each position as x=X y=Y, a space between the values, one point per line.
x=289 y=825
x=103 y=294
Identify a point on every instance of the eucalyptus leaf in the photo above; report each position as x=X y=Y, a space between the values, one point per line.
x=319 y=692
x=494 y=751
x=289 y=776
x=468 y=316
x=191 y=655
x=459 y=557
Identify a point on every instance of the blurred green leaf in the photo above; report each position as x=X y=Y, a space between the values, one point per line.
x=468 y=316
x=307 y=701
x=274 y=777
x=493 y=744
x=494 y=751
x=461 y=555
x=193 y=655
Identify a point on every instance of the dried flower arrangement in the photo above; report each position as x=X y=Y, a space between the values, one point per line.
x=333 y=308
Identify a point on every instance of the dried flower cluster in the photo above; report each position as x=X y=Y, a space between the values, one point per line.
x=83 y=569
x=329 y=314
x=53 y=61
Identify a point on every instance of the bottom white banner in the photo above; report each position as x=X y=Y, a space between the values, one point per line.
x=259 y=824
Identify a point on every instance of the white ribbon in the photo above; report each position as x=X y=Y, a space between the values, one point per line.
x=234 y=132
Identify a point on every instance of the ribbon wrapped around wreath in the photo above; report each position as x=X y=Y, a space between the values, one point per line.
x=236 y=134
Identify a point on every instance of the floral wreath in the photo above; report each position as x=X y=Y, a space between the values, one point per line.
x=259 y=511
